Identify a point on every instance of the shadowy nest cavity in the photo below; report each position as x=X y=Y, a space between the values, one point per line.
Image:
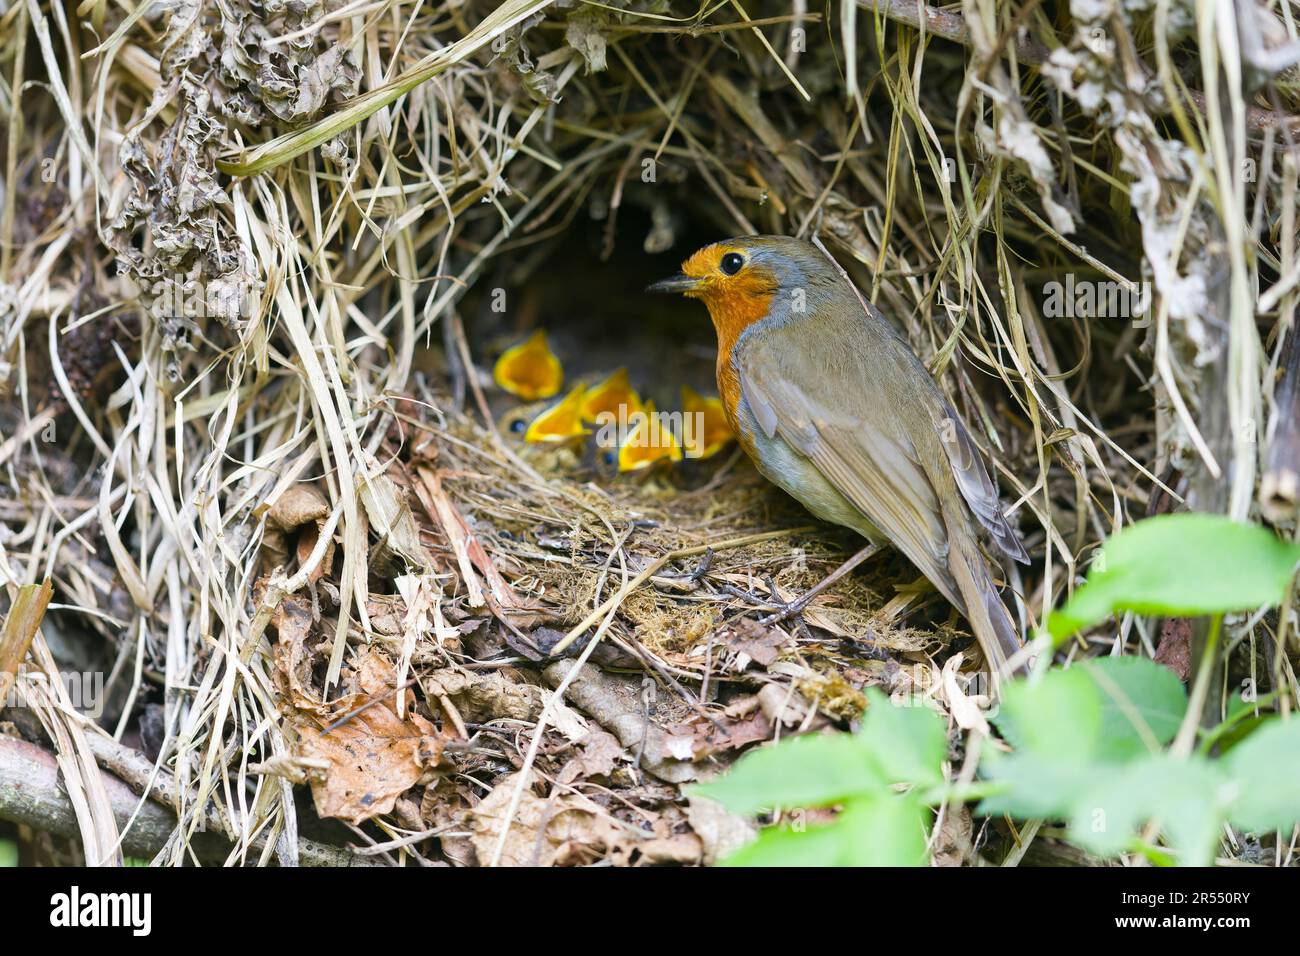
x=258 y=259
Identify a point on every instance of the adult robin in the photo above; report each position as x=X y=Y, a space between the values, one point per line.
x=835 y=408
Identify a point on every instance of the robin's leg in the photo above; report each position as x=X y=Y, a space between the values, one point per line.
x=767 y=602
x=784 y=611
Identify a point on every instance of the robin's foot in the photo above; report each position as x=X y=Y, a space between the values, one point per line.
x=788 y=609
x=781 y=610
x=691 y=580
x=765 y=601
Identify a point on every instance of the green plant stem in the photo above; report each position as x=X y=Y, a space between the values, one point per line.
x=1182 y=746
x=1155 y=855
x=963 y=794
x=1215 y=734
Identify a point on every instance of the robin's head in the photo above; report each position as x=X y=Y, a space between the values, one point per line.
x=745 y=280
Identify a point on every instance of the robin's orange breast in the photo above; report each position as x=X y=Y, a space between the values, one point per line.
x=734 y=309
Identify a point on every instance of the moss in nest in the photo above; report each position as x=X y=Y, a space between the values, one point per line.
x=668 y=626
x=913 y=640
x=833 y=695
x=570 y=589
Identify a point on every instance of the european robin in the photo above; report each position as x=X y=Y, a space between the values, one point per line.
x=835 y=408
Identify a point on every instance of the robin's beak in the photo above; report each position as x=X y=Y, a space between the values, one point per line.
x=678 y=284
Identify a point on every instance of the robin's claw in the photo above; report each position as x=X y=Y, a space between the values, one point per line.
x=749 y=597
x=701 y=569
x=781 y=611
x=787 y=610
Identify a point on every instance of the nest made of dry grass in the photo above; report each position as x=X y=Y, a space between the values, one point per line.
x=342 y=184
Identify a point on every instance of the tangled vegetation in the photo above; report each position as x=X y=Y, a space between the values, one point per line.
x=259 y=261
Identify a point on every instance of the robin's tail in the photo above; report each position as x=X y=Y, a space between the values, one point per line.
x=982 y=605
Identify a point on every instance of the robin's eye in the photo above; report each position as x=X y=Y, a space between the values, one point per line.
x=518 y=426
x=731 y=263
x=609 y=458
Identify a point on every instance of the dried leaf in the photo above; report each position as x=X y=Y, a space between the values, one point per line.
x=542 y=832
x=720 y=831
x=615 y=703
x=390 y=516
x=586 y=34
x=20 y=627
x=601 y=753
x=761 y=644
x=298 y=505
x=968 y=711
x=724 y=732
x=373 y=758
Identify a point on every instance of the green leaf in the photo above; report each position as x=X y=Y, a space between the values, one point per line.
x=896 y=745
x=1073 y=728
x=1266 y=770
x=1036 y=787
x=883 y=830
x=1058 y=717
x=1182 y=564
x=1187 y=797
x=1055 y=726
x=1142 y=703
x=815 y=770
x=1246 y=713
x=1107 y=810
x=785 y=846
x=909 y=744
x=1195 y=797
x=887 y=830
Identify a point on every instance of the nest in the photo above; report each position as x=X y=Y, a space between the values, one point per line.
x=258 y=261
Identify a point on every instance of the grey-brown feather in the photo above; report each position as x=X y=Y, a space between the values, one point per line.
x=898 y=465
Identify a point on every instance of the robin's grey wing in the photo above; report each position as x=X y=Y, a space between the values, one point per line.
x=885 y=347
x=975 y=485
x=862 y=451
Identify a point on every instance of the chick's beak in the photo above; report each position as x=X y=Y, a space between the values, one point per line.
x=679 y=284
